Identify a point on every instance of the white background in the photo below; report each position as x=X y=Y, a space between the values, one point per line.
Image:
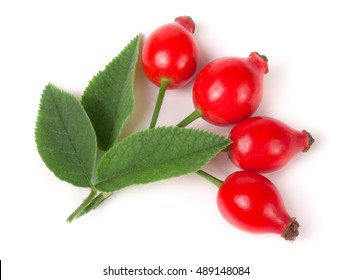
x=175 y=223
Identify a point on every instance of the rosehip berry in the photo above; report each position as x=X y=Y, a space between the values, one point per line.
x=229 y=89
x=171 y=52
x=265 y=144
x=251 y=202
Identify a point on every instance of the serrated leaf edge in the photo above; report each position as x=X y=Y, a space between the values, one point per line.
x=136 y=53
x=132 y=68
x=49 y=86
x=157 y=128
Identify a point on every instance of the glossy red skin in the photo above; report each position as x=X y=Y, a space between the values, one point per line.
x=229 y=89
x=251 y=202
x=171 y=52
x=265 y=144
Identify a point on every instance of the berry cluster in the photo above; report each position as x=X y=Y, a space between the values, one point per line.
x=227 y=91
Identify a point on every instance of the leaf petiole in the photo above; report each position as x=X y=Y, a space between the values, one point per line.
x=94 y=203
x=81 y=207
x=160 y=97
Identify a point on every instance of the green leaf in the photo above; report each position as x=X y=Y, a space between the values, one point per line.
x=108 y=99
x=65 y=138
x=157 y=154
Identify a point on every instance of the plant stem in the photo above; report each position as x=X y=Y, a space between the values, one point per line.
x=210 y=178
x=94 y=204
x=161 y=95
x=81 y=207
x=192 y=117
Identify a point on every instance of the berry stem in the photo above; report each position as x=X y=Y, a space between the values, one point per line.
x=81 y=207
x=189 y=119
x=161 y=95
x=210 y=178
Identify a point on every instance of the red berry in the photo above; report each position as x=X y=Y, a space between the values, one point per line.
x=229 y=89
x=251 y=202
x=171 y=52
x=265 y=144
